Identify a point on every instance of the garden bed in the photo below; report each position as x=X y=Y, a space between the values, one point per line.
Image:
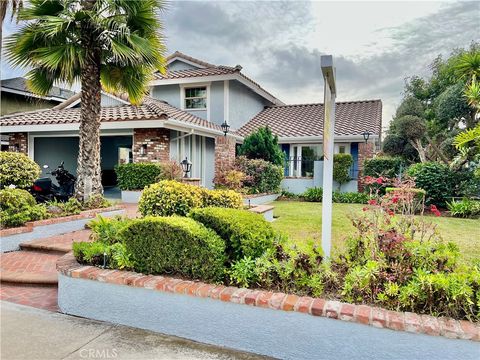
x=183 y=308
x=12 y=237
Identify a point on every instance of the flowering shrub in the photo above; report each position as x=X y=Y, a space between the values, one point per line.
x=400 y=262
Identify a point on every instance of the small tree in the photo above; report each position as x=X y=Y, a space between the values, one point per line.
x=262 y=144
x=341 y=168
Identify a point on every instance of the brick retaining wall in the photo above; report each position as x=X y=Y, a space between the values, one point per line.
x=362 y=314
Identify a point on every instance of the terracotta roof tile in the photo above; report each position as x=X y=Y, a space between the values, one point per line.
x=352 y=118
x=151 y=109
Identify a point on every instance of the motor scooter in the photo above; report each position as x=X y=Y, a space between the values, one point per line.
x=44 y=189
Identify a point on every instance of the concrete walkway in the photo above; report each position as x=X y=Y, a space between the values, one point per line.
x=28 y=333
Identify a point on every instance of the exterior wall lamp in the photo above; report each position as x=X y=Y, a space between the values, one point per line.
x=225 y=127
x=366 y=136
x=143 y=149
x=186 y=167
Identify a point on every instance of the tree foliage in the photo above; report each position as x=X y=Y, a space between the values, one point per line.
x=262 y=144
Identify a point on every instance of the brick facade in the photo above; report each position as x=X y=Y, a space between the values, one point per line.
x=18 y=142
x=224 y=152
x=365 y=151
x=155 y=142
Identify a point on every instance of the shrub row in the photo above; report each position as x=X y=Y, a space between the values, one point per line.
x=315 y=195
x=136 y=176
x=167 y=198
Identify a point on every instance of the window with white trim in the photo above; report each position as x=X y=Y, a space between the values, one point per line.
x=196 y=98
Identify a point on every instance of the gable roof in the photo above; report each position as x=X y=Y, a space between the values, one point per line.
x=352 y=118
x=18 y=85
x=209 y=72
x=151 y=109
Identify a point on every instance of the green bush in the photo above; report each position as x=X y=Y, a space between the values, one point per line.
x=114 y=256
x=389 y=167
x=314 y=194
x=464 y=208
x=341 y=168
x=261 y=176
x=245 y=233
x=262 y=144
x=222 y=198
x=135 y=176
x=107 y=230
x=17 y=169
x=167 y=198
x=175 y=245
x=436 y=179
x=18 y=206
x=350 y=197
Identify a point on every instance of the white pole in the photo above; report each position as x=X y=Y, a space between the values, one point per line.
x=328 y=149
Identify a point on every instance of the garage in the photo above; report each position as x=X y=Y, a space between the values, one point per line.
x=52 y=151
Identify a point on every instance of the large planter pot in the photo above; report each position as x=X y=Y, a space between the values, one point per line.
x=275 y=324
x=131 y=196
x=13 y=237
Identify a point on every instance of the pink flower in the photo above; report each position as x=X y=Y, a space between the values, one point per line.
x=395 y=199
x=379 y=180
x=372 y=202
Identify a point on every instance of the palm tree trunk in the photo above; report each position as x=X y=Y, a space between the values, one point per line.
x=89 y=180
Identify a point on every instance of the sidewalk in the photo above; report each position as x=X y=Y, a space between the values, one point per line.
x=35 y=334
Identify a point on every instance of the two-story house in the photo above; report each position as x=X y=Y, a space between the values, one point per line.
x=182 y=117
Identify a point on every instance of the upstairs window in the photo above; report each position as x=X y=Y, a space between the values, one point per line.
x=196 y=98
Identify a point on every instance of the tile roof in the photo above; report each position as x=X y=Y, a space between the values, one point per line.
x=20 y=84
x=151 y=109
x=206 y=70
x=351 y=118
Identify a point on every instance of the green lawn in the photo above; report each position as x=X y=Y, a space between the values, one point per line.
x=302 y=220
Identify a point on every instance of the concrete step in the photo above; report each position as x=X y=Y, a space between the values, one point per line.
x=59 y=244
x=28 y=278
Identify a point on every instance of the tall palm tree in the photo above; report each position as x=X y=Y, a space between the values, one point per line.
x=111 y=43
x=15 y=6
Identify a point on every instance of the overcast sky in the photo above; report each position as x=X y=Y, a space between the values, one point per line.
x=375 y=45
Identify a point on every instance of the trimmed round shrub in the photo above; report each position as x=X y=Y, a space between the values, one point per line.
x=436 y=179
x=18 y=206
x=17 y=169
x=175 y=245
x=167 y=198
x=222 y=198
x=245 y=233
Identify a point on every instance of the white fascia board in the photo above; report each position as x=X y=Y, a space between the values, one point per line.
x=174 y=124
x=200 y=79
x=185 y=61
x=319 y=139
x=29 y=94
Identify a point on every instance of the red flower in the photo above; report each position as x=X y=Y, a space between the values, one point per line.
x=434 y=210
x=395 y=199
x=390 y=212
x=365 y=209
x=372 y=202
x=379 y=180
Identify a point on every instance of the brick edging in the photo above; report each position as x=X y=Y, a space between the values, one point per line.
x=28 y=227
x=363 y=314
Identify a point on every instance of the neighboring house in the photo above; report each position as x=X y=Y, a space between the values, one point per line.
x=300 y=134
x=182 y=117
x=15 y=97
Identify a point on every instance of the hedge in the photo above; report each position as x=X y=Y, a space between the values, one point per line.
x=17 y=169
x=385 y=166
x=175 y=245
x=245 y=233
x=436 y=179
x=135 y=176
x=167 y=198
